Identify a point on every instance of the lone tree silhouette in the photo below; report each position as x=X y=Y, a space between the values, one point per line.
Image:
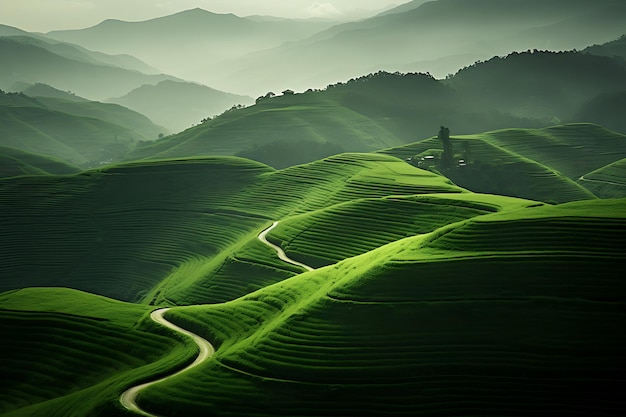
x=447 y=160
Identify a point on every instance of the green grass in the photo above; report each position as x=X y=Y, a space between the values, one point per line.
x=518 y=310
x=317 y=120
x=68 y=353
x=327 y=236
x=608 y=181
x=536 y=164
x=177 y=232
x=442 y=301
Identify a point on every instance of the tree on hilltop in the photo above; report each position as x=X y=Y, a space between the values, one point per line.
x=447 y=157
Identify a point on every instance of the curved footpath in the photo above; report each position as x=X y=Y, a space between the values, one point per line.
x=129 y=397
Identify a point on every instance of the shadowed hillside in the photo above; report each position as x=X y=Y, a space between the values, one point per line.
x=177 y=231
x=539 y=164
x=66 y=350
x=497 y=312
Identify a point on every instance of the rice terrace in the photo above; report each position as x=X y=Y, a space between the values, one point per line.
x=309 y=209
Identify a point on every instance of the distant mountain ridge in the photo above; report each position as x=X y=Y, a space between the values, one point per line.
x=196 y=35
x=32 y=63
x=186 y=103
x=469 y=29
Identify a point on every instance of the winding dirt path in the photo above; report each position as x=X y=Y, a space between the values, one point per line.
x=129 y=397
x=279 y=251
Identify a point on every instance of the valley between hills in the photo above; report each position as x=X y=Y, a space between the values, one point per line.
x=358 y=240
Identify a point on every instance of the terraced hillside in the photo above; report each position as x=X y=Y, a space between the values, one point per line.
x=177 y=231
x=540 y=164
x=435 y=300
x=69 y=353
x=517 y=310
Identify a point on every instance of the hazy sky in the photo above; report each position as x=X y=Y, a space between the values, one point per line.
x=46 y=15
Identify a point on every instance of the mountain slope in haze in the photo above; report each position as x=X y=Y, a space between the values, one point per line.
x=366 y=114
x=179 y=105
x=66 y=102
x=616 y=48
x=14 y=162
x=77 y=53
x=204 y=38
x=540 y=84
x=73 y=134
x=474 y=29
x=33 y=64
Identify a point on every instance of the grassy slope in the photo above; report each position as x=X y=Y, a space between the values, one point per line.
x=247 y=265
x=279 y=119
x=345 y=230
x=120 y=231
x=66 y=352
x=14 y=162
x=181 y=232
x=608 y=181
x=539 y=164
x=519 y=310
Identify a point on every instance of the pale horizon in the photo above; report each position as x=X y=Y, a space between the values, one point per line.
x=45 y=16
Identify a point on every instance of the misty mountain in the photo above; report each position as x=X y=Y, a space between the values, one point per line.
x=178 y=105
x=14 y=162
x=53 y=99
x=191 y=43
x=607 y=109
x=81 y=54
x=473 y=29
x=28 y=62
x=540 y=84
x=616 y=48
x=81 y=133
x=45 y=90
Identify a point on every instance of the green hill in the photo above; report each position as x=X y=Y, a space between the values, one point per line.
x=520 y=309
x=369 y=113
x=14 y=162
x=178 y=231
x=540 y=84
x=538 y=164
x=479 y=303
x=67 y=102
x=78 y=140
x=63 y=347
x=608 y=181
